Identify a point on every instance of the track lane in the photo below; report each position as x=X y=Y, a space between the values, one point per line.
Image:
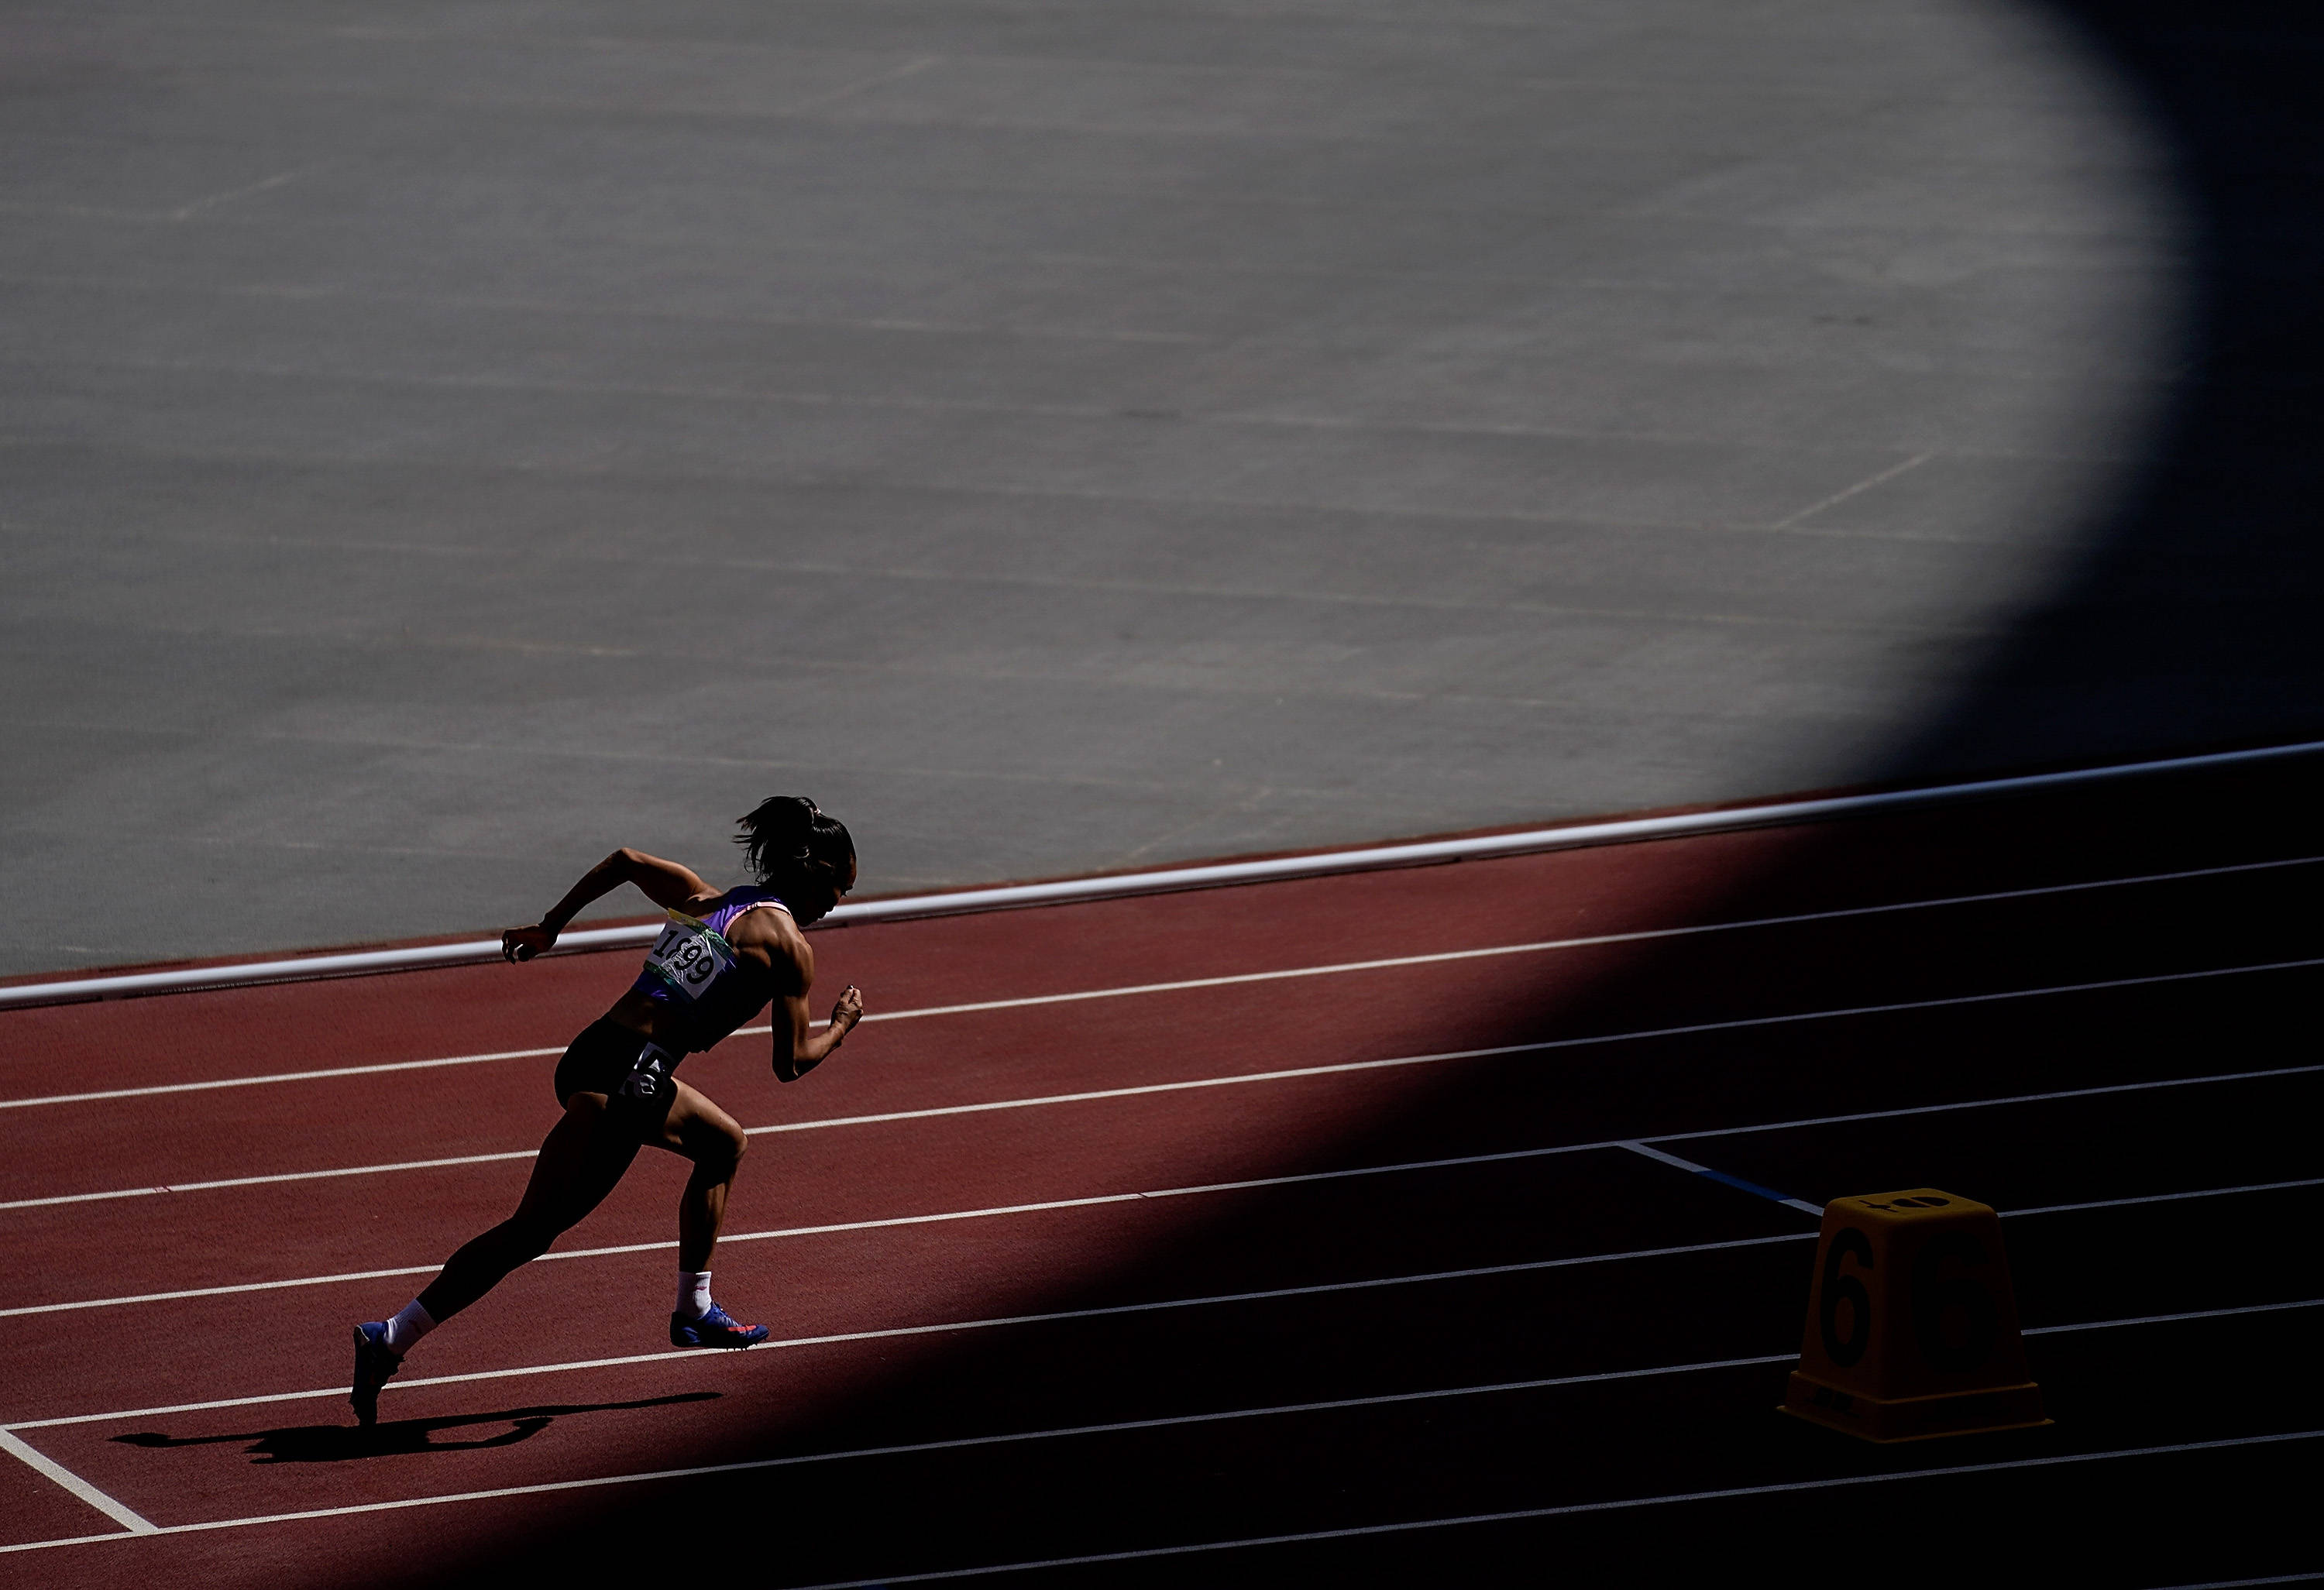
x=1703 y=1085
x=947 y=960
x=1766 y=972
x=316 y=1443
x=916 y=1165
x=790 y=1268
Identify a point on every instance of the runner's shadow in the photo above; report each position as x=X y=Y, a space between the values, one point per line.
x=338 y=1443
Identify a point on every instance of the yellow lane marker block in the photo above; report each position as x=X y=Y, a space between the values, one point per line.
x=1911 y=1327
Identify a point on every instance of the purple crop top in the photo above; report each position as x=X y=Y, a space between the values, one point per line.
x=692 y=973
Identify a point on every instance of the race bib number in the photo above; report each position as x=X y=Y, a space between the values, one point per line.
x=688 y=957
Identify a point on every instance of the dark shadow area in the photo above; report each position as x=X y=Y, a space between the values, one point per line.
x=2193 y=620
x=394 y=1437
x=1443 y=1342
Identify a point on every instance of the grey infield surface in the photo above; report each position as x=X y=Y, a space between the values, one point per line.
x=440 y=442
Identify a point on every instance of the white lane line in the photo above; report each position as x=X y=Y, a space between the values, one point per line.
x=1185 y=984
x=219 y=1291
x=1317 y=1288
x=1180 y=1422
x=1637 y=936
x=2171 y=1318
x=1277 y=1076
x=136 y=1524
x=1092 y=1201
x=344 y=1070
x=1114 y=1198
x=945 y=1326
x=1722 y=1177
x=2045 y=1097
x=1622 y=1504
x=464 y=1159
x=1374 y=859
x=2122 y=1203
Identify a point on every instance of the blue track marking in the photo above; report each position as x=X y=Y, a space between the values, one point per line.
x=1724 y=1179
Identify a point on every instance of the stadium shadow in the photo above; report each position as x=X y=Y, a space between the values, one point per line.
x=2190 y=624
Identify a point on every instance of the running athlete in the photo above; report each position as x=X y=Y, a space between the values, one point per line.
x=719 y=961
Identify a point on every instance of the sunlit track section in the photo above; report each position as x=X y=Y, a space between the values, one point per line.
x=1167 y=1305
x=1173 y=1421
x=1005 y=1306
x=1098 y=1200
x=57 y=1474
x=1238 y=1079
x=329 y=1074
x=225 y=1182
x=942 y=1328
x=1185 y=985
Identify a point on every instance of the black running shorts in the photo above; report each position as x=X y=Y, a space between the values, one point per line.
x=634 y=1074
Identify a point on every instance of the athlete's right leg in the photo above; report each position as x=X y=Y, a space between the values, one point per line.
x=584 y=1154
x=583 y=1157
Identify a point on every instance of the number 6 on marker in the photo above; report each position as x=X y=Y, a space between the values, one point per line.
x=1912 y=1326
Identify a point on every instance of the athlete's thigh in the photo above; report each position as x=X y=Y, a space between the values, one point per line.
x=697 y=1128
x=584 y=1154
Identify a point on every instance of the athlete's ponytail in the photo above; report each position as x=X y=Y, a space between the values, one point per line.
x=787 y=838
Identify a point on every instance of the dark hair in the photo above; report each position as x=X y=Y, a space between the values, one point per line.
x=787 y=838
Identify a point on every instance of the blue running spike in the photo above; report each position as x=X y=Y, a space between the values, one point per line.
x=716 y=1328
x=374 y=1365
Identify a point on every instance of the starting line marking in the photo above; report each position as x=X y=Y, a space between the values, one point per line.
x=1181 y=1420
x=47 y=1468
x=1721 y=1177
x=1254 y=976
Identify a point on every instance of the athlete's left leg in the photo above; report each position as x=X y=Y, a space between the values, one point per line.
x=698 y=1129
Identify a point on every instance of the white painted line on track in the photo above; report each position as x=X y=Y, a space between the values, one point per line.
x=942 y=1328
x=2045 y=1097
x=464 y=1159
x=1377 y=857
x=315 y=1075
x=1220 y=1417
x=2178 y=1319
x=47 y=1468
x=2123 y=1203
x=1622 y=1504
x=1120 y=1197
x=1313 y=1290
x=1642 y=936
x=1230 y=1082
x=1185 y=984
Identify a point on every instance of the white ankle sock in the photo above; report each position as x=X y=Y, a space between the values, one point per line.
x=693 y=1294
x=410 y=1324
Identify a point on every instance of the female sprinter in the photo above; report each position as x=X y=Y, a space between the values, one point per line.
x=722 y=957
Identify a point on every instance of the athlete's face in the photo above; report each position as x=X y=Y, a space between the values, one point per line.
x=821 y=894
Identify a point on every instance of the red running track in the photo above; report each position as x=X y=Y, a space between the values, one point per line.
x=880 y=1250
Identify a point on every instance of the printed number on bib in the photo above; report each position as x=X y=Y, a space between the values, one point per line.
x=689 y=956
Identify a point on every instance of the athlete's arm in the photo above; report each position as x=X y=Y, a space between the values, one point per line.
x=665 y=883
x=772 y=940
x=810 y=1049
